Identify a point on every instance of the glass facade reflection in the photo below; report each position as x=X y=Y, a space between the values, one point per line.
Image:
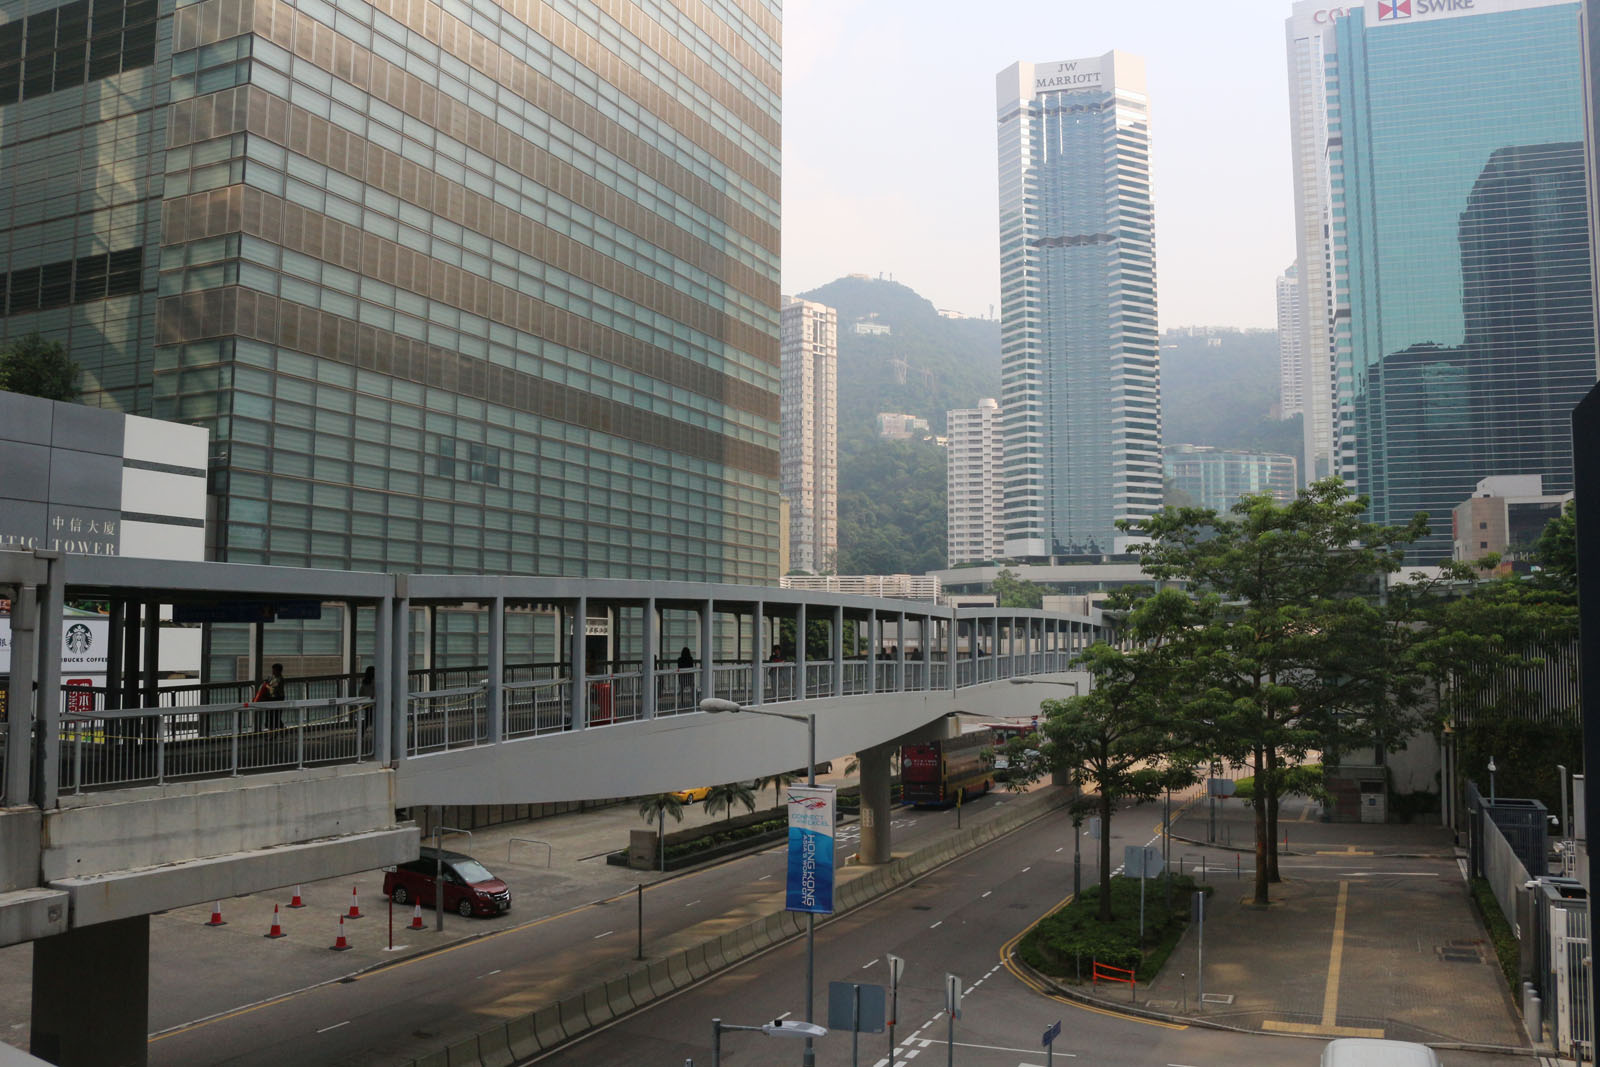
x=1079 y=358
x=1461 y=211
x=480 y=285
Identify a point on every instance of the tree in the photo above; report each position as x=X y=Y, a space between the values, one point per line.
x=1013 y=592
x=35 y=367
x=1557 y=550
x=722 y=798
x=1116 y=737
x=655 y=808
x=1296 y=649
x=779 y=782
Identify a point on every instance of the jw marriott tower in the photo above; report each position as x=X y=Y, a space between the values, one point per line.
x=456 y=285
x=1080 y=354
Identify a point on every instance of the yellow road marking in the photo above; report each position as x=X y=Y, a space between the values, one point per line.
x=1006 y=952
x=1349 y=850
x=1330 y=996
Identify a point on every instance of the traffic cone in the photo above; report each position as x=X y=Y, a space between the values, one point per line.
x=216 y=915
x=416 y=917
x=341 y=945
x=355 y=906
x=276 y=931
x=296 y=902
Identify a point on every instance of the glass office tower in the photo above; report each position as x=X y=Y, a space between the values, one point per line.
x=1080 y=356
x=479 y=285
x=1464 y=221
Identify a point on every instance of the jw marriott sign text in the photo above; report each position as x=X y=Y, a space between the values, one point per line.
x=1073 y=74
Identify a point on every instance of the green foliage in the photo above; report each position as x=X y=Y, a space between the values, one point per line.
x=35 y=367
x=1305 y=780
x=1507 y=949
x=1291 y=648
x=655 y=805
x=778 y=782
x=1557 y=550
x=713 y=837
x=1013 y=592
x=1222 y=394
x=723 y=798
x=1073 y=932
x=1525 y=755
x=891 y=506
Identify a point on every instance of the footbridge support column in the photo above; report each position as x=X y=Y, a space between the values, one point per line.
x=106 y=965
x=875 y=843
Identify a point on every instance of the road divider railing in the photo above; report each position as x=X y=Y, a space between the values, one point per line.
x=557 y=1024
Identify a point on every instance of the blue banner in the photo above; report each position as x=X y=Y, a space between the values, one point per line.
x=811 y=819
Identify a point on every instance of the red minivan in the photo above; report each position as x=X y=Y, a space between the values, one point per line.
x=469 y=888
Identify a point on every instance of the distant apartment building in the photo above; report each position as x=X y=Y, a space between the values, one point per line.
x=810 y=439
x=868 y=328
x=895 y=426
x=1291 y=346
x=1080 y=367
x=1460 y=229
x=974 y=501
x=1505 y=514
x=1217 y=477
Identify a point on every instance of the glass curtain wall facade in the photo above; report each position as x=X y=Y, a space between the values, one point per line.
x=1080 y=355
x=1465 y=218
x=810 y=459
x=482 y=286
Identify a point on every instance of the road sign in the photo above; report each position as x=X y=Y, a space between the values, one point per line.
x=1094 y=828
x=952 y=996
x=1141 y=861
x=897 y=967
x=842 y=1007
x=1220 y=787
x=1051 y=1034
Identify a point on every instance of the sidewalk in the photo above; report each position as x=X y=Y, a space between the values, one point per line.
x=1370 y=934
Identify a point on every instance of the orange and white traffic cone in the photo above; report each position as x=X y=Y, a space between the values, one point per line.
x=355 y=905
x=216 y=915
x=296 y=902
x=341 y=945
x=276 y=931
x=416 y=917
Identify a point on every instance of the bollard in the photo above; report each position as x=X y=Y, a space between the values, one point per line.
x=1238 y=867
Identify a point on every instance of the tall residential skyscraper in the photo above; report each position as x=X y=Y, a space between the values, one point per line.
x=1291 y=346
x=1080 y=366
x=485 y=285
x=1465 y=223
x=1310 y=45
x=973 y=497
x=811 y=433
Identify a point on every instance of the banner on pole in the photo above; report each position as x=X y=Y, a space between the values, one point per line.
x=811 y=819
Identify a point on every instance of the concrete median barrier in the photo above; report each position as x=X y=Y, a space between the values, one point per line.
x=678 y=969
x=619 y=1000
x=694 y=958
x=494 y=1046
x=574 y=1020
x=597 y=1005
x=715 y=956
x=433 y=1059
x=640 y=991
x=547 y=1026
x=660 y=978
x=520 y=1036
x=465 y=1053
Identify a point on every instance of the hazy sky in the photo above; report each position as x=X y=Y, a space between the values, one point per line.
x=889 y=148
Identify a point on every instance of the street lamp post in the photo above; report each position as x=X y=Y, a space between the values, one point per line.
x=1491 y=779
x=716 y=705
x=776 y=1028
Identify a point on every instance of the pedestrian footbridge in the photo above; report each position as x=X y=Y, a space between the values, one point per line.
x=136 y=793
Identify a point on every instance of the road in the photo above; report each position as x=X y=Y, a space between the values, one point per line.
x=959 y=920
x=417 y=1005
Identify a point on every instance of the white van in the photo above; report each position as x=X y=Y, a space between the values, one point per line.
x=1371 y=1052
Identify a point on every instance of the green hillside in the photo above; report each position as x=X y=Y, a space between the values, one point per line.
x=1219 y=388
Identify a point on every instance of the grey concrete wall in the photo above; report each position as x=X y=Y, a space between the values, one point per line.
x=19 y=848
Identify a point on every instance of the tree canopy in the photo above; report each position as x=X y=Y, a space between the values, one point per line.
x=1013 y=592
x=35 y=367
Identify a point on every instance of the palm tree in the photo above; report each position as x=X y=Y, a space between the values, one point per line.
x=778 y=782
x=724 y=797
x=655 y=808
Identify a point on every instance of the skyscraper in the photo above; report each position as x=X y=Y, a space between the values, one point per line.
x=1310 y=45
x=1291 y=346
x=973 y=497
x=1080 y=356
x=810 y=449
x=1464 y=222
x=484 y=286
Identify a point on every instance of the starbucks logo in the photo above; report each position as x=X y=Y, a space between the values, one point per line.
x=79 y=638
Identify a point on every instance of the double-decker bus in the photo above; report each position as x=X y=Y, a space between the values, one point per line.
x=939 y=773
x=1003 y=732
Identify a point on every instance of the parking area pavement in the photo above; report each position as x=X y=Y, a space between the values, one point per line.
x=1371 y=933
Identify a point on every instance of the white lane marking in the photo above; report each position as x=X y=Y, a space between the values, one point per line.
x=490 y=974
x=869 y=963
x=608 y=933
x=335 y=1026
x=939 y=923
x=986 y=893
x=1062 y=848
x=764 y=877
x=1025 y=870
x=691 y=903
x=785 y=1015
